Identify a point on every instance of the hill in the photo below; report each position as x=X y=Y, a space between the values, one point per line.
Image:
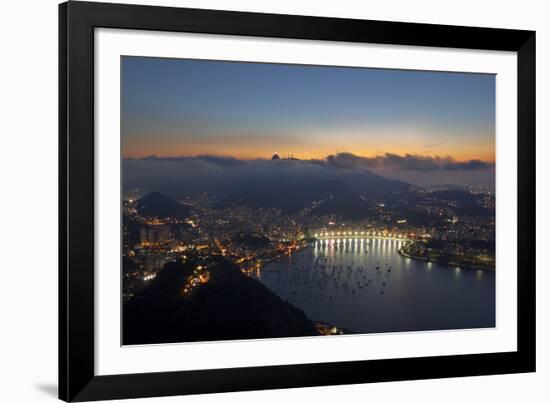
x=292 y=192
x=230 y=306
x=156 y=204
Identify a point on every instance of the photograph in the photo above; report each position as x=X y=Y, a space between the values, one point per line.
x=281 y=201
x=264 y=200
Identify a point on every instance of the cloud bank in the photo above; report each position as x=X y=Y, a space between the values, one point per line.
x=405 y=162
x=180 y=176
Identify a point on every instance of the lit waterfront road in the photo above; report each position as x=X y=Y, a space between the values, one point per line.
x=364 y=285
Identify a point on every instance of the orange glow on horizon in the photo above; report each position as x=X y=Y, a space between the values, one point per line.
x=462 y=156
x=318 y=144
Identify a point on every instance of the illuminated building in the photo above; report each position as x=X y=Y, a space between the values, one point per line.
x=154 y=234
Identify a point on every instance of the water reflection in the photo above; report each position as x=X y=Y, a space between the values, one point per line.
x=363 y=284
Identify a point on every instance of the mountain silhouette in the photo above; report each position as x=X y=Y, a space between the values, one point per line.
x=292 y=193
x=156 y=204
x=230 y=306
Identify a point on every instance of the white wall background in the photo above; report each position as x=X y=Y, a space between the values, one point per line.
x=28 y=198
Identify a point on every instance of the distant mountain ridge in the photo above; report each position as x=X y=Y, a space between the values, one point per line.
x=294 y=193
x=287 y=184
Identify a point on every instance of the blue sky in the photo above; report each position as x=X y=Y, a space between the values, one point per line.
x=178 y=107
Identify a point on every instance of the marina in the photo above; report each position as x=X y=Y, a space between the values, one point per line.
x=366 y=286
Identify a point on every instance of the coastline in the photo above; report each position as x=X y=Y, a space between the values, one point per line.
x=402 y=253
x=383 y=289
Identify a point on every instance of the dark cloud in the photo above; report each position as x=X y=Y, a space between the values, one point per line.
x=214 y=159
x=180 y=176
x=405 y=162
x=192 y=175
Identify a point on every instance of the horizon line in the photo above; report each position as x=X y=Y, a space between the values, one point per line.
x=287 y=156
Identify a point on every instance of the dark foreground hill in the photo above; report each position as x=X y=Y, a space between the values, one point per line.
x=230 y=306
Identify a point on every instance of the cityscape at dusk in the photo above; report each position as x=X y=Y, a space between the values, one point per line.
x=265 y=200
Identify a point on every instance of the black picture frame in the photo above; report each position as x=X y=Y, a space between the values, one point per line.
x=77 y=379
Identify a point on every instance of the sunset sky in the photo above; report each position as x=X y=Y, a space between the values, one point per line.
x=174 y=107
